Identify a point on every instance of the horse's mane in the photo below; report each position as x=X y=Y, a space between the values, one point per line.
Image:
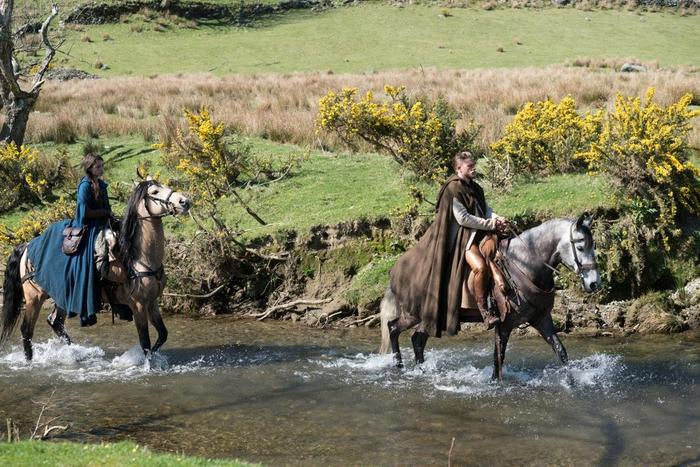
x=130 y=222
x=587 y=234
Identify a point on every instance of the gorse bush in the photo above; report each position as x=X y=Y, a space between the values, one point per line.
x=643 y=149
x=210 y=164
x=420 y=136
x=28 y=176
x=214 y=165
x=544 y=138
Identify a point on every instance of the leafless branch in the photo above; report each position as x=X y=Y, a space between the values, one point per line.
x=185 y=295
x=248 y=209
x=273 y=309
x=50 y=50
x=367 y=319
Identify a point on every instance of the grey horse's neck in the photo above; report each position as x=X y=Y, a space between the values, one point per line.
x=538 y=247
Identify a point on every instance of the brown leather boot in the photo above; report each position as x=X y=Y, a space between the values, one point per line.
x=481 y=296
x=499 y=291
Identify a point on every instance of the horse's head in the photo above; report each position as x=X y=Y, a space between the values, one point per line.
x=578 y=252
x=158 y=200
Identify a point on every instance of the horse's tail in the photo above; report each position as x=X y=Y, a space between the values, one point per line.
x=12 y=293
x=387 y=311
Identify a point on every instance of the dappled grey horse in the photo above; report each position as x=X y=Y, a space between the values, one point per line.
x=530 y=261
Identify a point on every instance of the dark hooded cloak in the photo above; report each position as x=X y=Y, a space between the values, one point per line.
x=427 y=280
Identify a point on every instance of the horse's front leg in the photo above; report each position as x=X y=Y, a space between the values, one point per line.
x=501 y=336
x=57 y=321
x=546 y=329
x=141 y=321
x=157 y=322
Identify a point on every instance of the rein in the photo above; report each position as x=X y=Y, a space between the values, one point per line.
x=522 y=273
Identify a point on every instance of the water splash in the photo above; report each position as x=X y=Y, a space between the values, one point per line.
x=468 y=372
x=81 y=363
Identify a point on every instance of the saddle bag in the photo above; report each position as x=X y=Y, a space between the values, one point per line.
x=72 y=238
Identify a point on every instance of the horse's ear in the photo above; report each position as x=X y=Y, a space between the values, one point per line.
x=585 y=220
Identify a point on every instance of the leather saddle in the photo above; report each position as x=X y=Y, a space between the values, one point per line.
x=108 y=264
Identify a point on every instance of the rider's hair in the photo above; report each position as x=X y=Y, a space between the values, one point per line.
x=462 y=157
x=89 y=160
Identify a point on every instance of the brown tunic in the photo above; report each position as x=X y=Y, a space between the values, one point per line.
x=427 y=280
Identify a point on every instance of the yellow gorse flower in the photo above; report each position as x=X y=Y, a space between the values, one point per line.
x=643 y=147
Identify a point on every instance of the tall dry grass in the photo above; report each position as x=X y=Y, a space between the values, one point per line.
x=283 y=107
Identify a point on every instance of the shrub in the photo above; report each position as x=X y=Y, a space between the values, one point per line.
x=210 y=165
x=543 y=139
x=420 y=136
x=643 y=148
x=35 y=222
x=27 y=176
x=213 y=165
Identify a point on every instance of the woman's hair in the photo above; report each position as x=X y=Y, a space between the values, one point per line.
x=461 y=157
x=89 y=160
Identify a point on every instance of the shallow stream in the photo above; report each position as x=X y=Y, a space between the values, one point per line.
x=280 y=393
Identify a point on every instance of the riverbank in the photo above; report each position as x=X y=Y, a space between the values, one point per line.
x=40 y=453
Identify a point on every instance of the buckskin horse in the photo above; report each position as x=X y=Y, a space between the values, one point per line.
x=142 y=247
x=530 y=260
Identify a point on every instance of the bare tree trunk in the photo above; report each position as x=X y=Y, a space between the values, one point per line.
x=16 y=117
x=17 y=103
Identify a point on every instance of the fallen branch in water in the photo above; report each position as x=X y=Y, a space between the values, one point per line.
x=47 y=404
x=449 y=454
x=284 y=306
x=367 y=320
x=186 y=295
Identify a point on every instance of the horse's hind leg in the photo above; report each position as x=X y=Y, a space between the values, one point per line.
x=33 y=300
x=57 y=321
x=419 y=339
x=157 y=322
x=394 y=332
x=546 y=329
x=501 y=336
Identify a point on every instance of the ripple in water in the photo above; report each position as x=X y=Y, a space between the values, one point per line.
x=469 y=373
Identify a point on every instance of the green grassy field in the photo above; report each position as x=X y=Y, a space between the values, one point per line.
x=39 y=453
x=379 y=36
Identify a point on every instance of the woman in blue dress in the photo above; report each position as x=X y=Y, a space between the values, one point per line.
x=73 y=281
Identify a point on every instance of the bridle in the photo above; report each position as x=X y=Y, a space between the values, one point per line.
x=579 y=268
x=169 y=205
